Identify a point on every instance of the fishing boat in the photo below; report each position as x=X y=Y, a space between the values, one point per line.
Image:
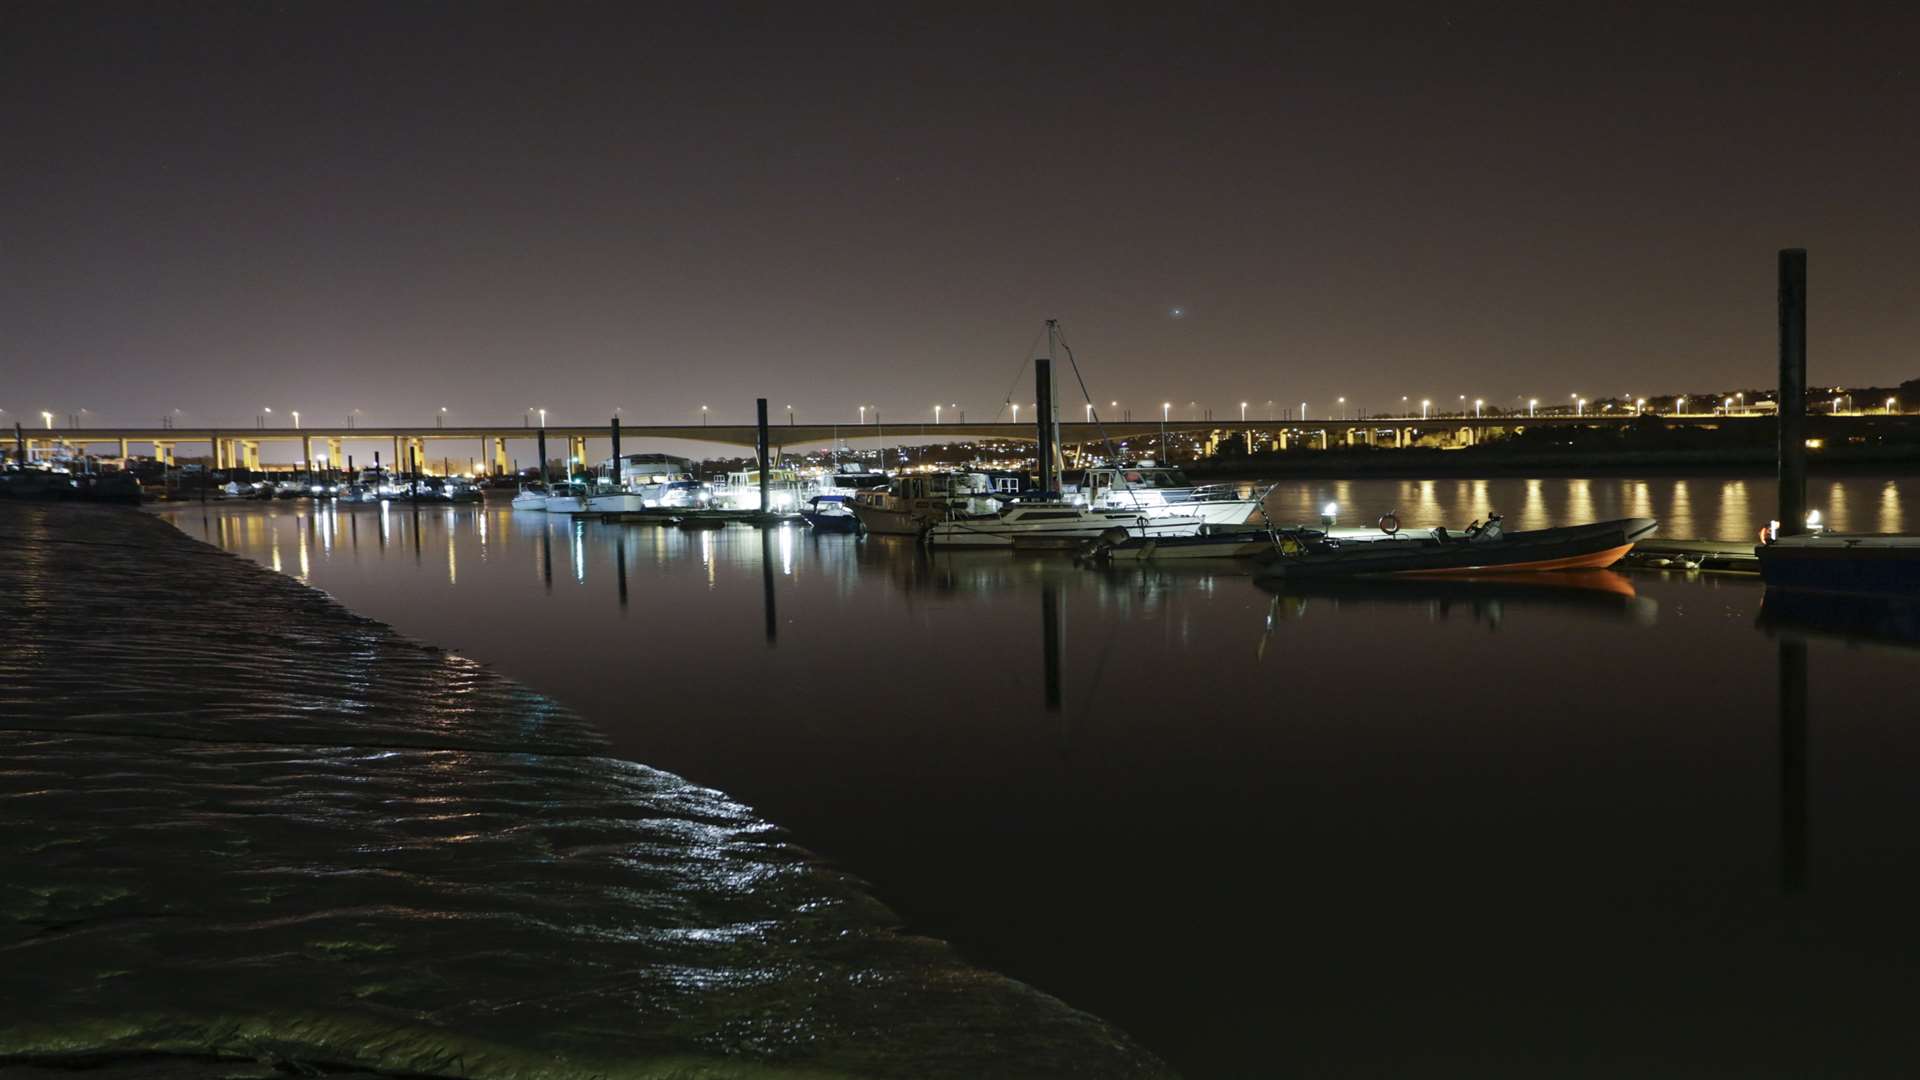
x=829 y=513
x=1304 y=555
x=531 y=497
x=1058 y=521
x=1161 y=491
x=1881 y=565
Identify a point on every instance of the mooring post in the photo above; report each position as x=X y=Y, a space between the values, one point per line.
x=542 y=438
x=1043 y=409
x=413 y=473
x=20 y=443
x=760 y=445
x=1793 y=391
x=616 y=451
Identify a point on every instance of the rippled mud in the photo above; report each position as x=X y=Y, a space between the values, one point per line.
x=245 y=826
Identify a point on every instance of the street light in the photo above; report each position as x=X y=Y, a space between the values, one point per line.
x=1423 y=408
x=863 y=414
x=1016 y=411
x=1476 y=407
x=1343 y=408
x=543 y=423
x=789 y=415
x=440 y=418
x=1891 y=402
x=1089 y=412
x=1680 y=406
x=48 y=417
x=296 y=419
x=1303 y=410
x=1165 y=410
x=1532 y=402
x=703 y=416
x=1579 y=406
x=1243 y=412
x=936 y=414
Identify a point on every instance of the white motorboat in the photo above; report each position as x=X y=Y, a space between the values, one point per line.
x=1055 y=521
x=566 y=499
x=1162 y=491
x=615 y=501
x=908 y=505
x=531 y=497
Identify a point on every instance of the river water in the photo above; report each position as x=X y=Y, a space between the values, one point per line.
x=1500 y=828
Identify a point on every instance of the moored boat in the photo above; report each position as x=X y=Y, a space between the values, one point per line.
x=1480 y=548
x=1037 y=521
x=829 y=513
x=1211 y=542
x=531 y=497
x=1162 y=491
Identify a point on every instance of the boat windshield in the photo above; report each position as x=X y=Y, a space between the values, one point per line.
x=1147 y=478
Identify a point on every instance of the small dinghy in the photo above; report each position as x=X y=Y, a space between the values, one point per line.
x=1479 y=549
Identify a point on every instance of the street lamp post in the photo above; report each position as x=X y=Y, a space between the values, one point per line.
x=703 y=416
x=1680 y=406
x=48 y=417
x=1243 y=412
x=1532 y=402
x=296 y=419
x=1477 y=402
x=1423 y=407
x=1343 y=408
x=936 y=414
x=440 y=418
x=1579 y=406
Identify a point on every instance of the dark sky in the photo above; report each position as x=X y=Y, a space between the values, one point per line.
x=401 y=206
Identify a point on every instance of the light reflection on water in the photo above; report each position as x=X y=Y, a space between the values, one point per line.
x=1280 y=803
x=1735 y=511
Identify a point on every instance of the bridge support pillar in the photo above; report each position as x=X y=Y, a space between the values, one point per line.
x=306 y=452
x=123 y=449
x=335 y=459
x=251 y=452
x=500 y=467
x=1280 y=441
x=577 y=447
x=163 y=452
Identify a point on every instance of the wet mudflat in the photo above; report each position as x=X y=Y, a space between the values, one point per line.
x=1490 y=828
x=244 y=823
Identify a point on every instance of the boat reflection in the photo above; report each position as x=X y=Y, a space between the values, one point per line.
x=1487 y=599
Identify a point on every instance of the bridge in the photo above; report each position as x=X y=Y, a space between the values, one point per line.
x=488 y=445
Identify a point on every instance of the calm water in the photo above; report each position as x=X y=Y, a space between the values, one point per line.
x=1496 y=828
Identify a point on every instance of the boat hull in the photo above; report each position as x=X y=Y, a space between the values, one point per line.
x=965 y=533
x=616 y=503
x=532 y=503
x=1575 y=547
x=566 y=504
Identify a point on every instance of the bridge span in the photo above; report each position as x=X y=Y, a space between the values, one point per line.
x=240 y=447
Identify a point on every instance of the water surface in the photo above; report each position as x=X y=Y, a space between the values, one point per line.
x=1502 y=827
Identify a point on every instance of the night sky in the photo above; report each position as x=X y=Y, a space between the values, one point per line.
x=397 y=207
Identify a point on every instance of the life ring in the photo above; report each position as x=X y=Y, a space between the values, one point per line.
x=1389 y=523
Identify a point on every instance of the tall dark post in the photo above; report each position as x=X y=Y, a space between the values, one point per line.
x=543 y=454
x=413 y=472
x=760 y=445
x=1793 y=764
x=20 y=443
x=1043 y=405
x=616 y=450
x=1793 y=391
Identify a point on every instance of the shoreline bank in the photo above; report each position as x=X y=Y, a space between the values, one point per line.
x=248 y=824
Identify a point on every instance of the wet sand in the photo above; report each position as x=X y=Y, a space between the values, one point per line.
x=247 y=825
